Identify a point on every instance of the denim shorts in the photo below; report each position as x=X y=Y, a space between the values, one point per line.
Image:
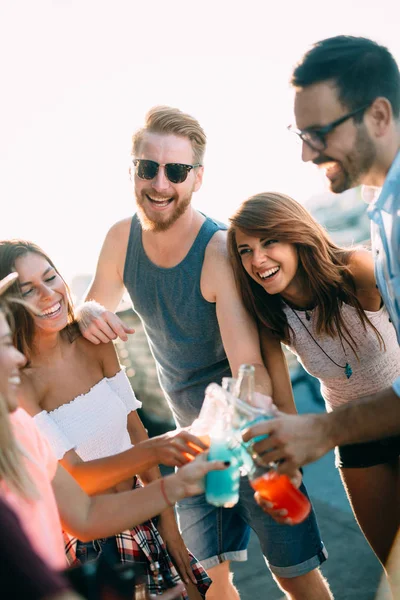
x=90 y=551
x=215 y=534
x=369 y=454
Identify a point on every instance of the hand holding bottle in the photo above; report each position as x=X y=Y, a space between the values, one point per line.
x=189 y=479
x=280 y=515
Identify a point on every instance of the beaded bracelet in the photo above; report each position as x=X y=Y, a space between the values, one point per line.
x=164 y=493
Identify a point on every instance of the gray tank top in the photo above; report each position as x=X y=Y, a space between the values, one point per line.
x=181 y=326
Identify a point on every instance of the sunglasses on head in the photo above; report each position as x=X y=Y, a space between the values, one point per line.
x=175 y=172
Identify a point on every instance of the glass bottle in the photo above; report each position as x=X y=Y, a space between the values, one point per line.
x=245 y=384
x=279 y=490
x=222 y=487
x=229 y=384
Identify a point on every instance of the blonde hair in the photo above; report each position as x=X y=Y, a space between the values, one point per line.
x=172 y=121
x=12 y=469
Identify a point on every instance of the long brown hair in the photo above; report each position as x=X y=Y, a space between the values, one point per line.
x=323 y=266
x=10 y=251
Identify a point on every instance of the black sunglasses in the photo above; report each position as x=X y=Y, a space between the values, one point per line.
x=316 y=138
x=175 y=172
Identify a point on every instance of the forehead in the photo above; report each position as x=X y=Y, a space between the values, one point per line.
x=30 y=264
x=316 y=105
x=243 y=238
x=166 y=148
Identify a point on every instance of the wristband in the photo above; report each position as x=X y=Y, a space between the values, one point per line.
x=164 y=493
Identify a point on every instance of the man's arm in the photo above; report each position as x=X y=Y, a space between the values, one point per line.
x=302 y=439
x=107 y=288
x=238 y=330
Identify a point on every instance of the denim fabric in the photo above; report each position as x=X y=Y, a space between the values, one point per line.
x=89 y=551
x=219 y=534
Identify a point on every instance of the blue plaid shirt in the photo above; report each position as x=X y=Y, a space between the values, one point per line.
x=384 y=213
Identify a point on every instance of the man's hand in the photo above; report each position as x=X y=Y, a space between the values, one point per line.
x=175 y=448
x=176 y=547
x=99 y=325
x=294 y=439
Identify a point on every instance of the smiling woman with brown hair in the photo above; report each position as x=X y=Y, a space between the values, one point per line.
x=321 y=300
x=82 y=400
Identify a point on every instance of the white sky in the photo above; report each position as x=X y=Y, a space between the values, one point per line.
x=78 y=76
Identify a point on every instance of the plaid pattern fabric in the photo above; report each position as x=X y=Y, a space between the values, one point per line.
x=144 y=544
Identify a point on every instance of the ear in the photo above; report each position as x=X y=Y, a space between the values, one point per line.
x=199 y=178
x=380 y=116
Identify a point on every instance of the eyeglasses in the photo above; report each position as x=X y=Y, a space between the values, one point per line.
x=175 y=172
x=316 y=138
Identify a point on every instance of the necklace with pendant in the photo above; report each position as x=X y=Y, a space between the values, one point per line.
x=347 y=368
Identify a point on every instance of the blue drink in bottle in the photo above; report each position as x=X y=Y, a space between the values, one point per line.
x=222 y=487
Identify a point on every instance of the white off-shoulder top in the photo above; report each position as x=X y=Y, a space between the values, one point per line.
x=93 y=424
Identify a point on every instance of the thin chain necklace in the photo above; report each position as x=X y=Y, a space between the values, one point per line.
x=347 y=368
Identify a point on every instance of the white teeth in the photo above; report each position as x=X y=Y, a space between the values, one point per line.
x=161 y=201
x=269 y=272
x=51 y=310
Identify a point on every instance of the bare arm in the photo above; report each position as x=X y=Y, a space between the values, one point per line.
x=277 y=367
x=107 y=286
x=96 y=476
x=107 y=289
x=302 y=439
x=101 y=474
x=94 y=517
x=238 y=330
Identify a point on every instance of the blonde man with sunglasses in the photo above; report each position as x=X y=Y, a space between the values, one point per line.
x=172 y=259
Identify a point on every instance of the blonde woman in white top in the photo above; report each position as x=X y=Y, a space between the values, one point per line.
x=322 y=302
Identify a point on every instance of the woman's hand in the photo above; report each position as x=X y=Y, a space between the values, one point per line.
x=279 y=515
x=189 y=480
x=175 y=448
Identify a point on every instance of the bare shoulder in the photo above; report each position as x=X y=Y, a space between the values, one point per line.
x=103 y=354
x=217 y=273
x=29 y=396
x=119 y=232
x=361 y=265
x=217 y=249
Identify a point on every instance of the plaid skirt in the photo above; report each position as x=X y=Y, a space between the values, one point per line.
x=144 y=544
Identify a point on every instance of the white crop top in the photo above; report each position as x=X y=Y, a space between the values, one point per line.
x=375 y=370
x=94 y=424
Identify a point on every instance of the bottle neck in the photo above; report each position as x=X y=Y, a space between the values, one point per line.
x=245 y=384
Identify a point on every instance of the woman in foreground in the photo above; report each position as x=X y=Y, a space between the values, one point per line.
x=81 y=399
